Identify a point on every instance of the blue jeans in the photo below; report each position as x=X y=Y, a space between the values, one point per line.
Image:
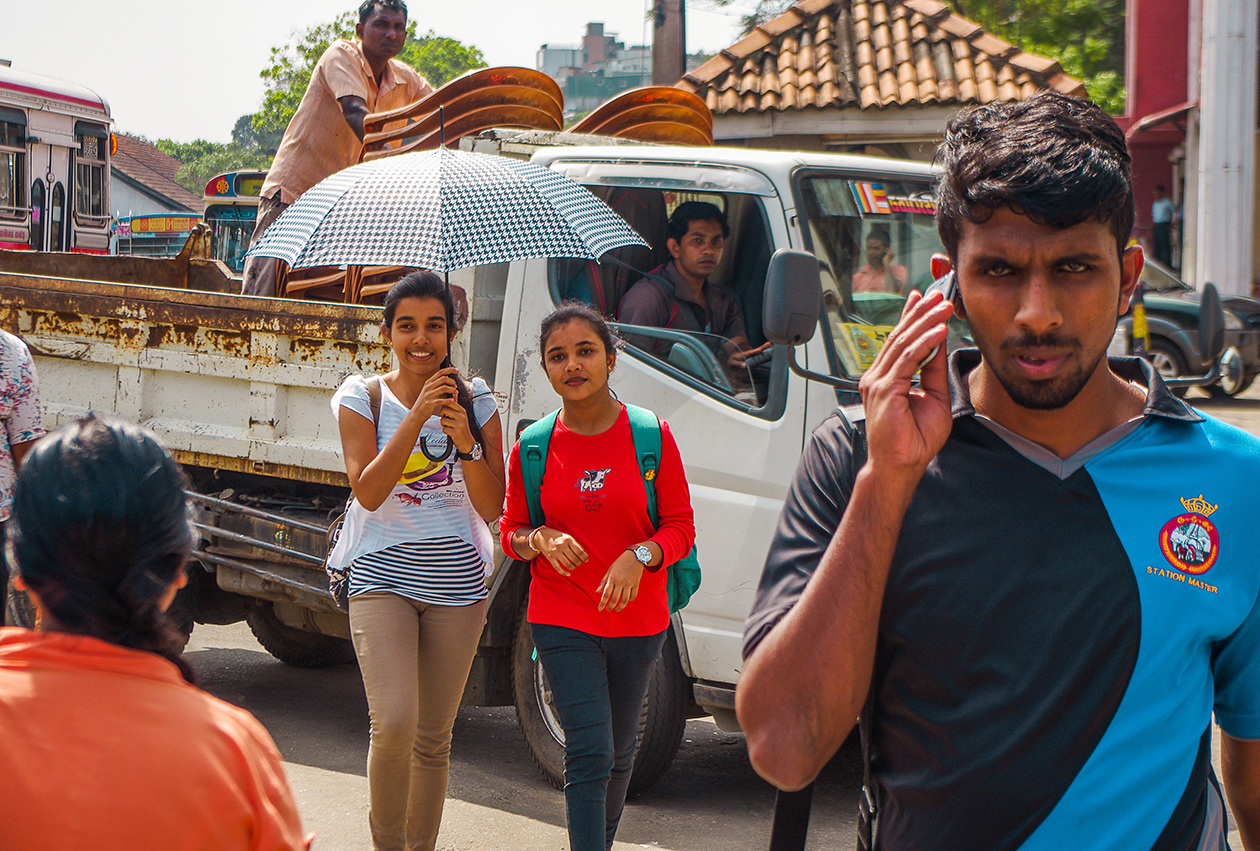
x=598 y=685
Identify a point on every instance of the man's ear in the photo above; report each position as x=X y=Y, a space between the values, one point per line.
x=674 y=248
x=1132 y=262
x=358 y=30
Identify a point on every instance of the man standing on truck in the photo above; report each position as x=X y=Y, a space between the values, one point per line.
x=679 y=294
x=351 y=80
x=1006 y=575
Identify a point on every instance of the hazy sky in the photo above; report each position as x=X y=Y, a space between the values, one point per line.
x=185 y=70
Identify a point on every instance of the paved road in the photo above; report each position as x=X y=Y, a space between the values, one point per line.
x=709 y=801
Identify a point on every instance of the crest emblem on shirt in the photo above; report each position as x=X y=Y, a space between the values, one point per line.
x=593 y=480
x=1190 y=541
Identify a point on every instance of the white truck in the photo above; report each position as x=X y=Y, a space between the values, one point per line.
x=239 y=387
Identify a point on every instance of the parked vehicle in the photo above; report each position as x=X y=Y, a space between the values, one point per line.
x=238 y=387
x=55 y=147
x=1174 y=347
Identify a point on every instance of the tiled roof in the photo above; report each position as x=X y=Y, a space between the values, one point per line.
x=870 y=53
x=145 y=164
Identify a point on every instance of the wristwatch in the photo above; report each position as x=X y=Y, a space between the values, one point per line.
x=475 y=455
x=643 y=554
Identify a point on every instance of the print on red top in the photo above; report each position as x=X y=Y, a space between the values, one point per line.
x=593 y=491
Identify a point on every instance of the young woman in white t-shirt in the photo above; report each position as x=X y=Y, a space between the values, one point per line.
x=426 y=480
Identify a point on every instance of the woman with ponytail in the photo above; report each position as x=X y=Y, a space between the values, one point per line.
x=107 y=743
x=424 y=453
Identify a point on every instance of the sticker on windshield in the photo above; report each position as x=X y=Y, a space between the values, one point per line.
x=860 y=343
x=871 y=198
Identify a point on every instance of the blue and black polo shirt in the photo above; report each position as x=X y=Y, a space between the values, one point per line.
x=1054 y=638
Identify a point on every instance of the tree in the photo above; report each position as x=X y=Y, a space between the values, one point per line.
x=1085 y=36
x=438 y=59
x=202 y=160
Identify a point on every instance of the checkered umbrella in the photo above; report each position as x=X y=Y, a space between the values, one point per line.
x=443 y=210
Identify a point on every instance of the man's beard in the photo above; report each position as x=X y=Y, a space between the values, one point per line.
x=1052 y=393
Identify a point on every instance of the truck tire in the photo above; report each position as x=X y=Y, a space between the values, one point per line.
x=296 y=647
x=661 y=724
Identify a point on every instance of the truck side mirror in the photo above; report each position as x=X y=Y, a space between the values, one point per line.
x=1211 y=324
x=793 y=297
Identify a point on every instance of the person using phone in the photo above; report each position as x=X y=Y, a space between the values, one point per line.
x=1044 y=575
x=427 y=478
x=879 y=274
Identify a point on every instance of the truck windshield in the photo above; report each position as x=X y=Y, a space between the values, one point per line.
x=874 y=240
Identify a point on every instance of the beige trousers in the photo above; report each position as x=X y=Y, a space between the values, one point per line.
x=415 y=659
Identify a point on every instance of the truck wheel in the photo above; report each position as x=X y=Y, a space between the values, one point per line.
x=661 y=723
x=664 y=719
x=535 y=712
x=296 y=647
x=18 y=608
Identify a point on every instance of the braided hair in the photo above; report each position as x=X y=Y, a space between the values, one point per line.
x=100 y=531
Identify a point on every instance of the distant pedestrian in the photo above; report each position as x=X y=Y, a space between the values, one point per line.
x=1163 y=213
x=351 y=80
x=20 y=410
x=107 y=743
x=598 y=604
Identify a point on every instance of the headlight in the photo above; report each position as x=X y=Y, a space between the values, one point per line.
x=1233 y=322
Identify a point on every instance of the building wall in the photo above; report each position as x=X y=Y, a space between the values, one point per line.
x=126 y=200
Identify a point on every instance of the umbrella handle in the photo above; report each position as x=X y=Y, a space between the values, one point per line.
x=436 y=459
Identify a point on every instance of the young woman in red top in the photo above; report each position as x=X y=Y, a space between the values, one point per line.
x=598 y=606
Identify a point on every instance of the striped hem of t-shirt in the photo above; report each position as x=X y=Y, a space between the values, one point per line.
x=440 y=571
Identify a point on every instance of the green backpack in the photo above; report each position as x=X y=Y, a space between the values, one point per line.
x=683 y=577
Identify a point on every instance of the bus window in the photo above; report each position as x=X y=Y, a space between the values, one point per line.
x=37 y=215
x=12 y=154
x=57 y=218
x=90 y=171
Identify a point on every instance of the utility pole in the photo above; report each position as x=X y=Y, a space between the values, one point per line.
x=669 y=43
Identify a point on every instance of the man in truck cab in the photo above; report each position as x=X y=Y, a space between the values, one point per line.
x=679 y=294
x=1001 y=576
x=351 y=80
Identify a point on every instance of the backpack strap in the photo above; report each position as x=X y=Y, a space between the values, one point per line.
x=645 y=429
x=374 y=398
x=533 y=443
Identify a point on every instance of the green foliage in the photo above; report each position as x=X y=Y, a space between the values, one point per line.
x=202 y=160
x=1085 y=36
x=438 y=59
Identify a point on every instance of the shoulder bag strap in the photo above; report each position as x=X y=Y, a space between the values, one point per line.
x=791 y=809
x=374 y=398
x=534 y=441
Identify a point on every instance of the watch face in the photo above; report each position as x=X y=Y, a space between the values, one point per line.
x=643 y=554
x=476 y=452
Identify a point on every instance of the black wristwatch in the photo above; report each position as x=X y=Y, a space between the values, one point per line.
x=475 y=455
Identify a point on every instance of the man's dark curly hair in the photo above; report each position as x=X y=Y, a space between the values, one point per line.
x=365 y=9
x=1053 y=158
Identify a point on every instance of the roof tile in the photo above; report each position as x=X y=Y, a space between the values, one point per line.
x=871 y=53
x=145 y=164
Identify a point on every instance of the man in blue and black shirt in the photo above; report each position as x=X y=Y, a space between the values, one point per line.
x=1046 y=572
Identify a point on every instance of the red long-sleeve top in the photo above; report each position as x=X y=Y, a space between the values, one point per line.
x=593 y=491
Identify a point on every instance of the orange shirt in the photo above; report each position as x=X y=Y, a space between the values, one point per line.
x=109 y=749
x=318 y=141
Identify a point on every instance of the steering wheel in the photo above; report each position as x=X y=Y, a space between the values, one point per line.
x=762 y=357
